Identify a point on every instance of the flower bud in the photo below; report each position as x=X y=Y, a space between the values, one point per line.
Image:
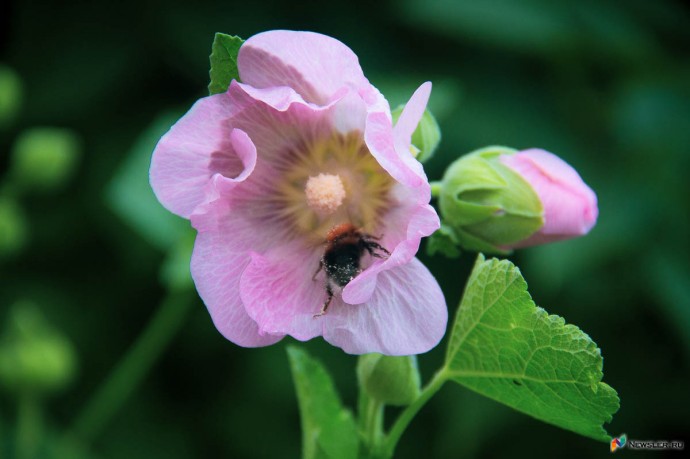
x=44 y=158
x=393 y=380
x=34 y=357
x=496 y=199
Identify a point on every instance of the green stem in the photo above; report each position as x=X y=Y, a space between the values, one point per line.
x=133 y=367
x=28 y=427
x=370 y=423
x=435 y=189
x=409 y=413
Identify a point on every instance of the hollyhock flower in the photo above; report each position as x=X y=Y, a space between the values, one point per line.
x=497 y=199
x=264 y=171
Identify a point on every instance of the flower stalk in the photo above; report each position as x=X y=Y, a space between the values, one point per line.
x=134 y=366
x=391 y=440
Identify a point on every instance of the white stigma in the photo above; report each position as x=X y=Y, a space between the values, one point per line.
x=325 y=193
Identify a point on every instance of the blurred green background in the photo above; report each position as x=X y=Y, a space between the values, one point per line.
x=88 y=87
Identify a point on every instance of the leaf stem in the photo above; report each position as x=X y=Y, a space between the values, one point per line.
x=435 y=189
x=134 y=366
x=409 y=413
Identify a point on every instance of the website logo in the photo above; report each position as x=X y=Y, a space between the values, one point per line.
x=657 y=445
x=618 y=443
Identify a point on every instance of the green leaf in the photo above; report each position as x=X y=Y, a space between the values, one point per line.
x=175 y=271
x=328 y=429
x=505 y=347
x=388 y=379
x=131 y=197
x=223 y=62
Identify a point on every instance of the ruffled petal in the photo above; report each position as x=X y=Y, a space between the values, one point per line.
x=314 y=65
x=391 y=148
x=406 y=315
x=219 y=258
x=200 y=145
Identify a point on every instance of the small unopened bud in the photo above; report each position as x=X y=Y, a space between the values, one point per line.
x=393 y=380
x=34 y=357
x=496 y=199
x=44 y=158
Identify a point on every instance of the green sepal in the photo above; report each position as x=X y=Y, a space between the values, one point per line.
x=426 y=136
x=388 y=379
x=130 y=196
x=223 y=62
x=505 y=347
x=443 y=241
x=328 y=429
x=488 y=204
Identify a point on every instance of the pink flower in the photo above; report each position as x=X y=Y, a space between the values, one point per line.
x=267 y=169
x=570 y=206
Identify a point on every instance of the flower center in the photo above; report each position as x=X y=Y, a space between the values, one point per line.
x=328 y=181
x=325 y=193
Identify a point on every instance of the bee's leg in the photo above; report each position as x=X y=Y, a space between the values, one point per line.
x=329 y=291
x=318 y=270
x=372 y=246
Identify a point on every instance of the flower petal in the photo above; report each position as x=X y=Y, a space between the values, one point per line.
x=201 y=144
x=570 y=206
x=280 y=293
x=411 y=114
x=391 y=148
x=413 y=224
x=314 y=65
x=219 y=257
x=406 y=315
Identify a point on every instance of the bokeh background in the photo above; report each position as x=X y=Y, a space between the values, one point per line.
x=86 y=88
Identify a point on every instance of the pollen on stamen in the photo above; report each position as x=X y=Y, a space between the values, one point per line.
x=325 y=193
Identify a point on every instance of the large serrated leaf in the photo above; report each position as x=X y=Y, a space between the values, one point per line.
x=504 y=347
x=328 y=429
x=223 y=62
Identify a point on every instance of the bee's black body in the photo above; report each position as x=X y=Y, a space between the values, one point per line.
x=342 y=258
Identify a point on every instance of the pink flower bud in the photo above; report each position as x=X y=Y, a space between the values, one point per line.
x=570 y=206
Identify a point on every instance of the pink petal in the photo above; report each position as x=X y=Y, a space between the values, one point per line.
x=411 y=114
x=392 y=149
x=570 y=206
x=413 y=224
x=280 y=294
x=406 y=315
x=277 y=119
x=201 y=144
x=314 y=65
x=219 y=257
